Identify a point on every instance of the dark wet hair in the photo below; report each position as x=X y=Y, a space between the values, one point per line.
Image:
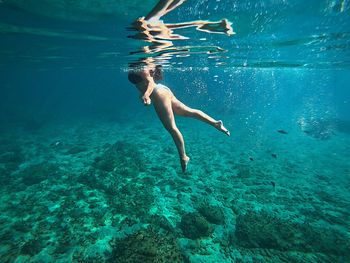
x=134 y=78
x=157 y=72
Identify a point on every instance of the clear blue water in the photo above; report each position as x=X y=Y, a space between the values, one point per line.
x=86 y=169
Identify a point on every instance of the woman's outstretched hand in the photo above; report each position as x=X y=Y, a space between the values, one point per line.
x=146 y=100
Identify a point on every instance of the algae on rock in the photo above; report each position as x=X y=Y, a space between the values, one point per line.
x=146 y=246
x=265 y=230
x=194 y=226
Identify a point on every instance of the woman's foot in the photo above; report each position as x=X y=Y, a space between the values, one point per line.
x=220 y=27
x=220 y=126
x=184 y=161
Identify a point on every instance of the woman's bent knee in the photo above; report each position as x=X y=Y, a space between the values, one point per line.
x=171 y=129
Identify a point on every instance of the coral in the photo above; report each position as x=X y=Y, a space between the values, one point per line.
x=146 y=246
x=124 y=197
x=115 y=172
x=260 y=229
x=264 y=230
x=194 y=225
x=92 y=179
x=121 y=157
x=133 y=199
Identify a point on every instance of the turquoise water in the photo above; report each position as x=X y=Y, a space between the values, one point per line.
x=88 y=174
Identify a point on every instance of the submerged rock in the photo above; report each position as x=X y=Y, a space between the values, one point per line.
x=116 y=173
x=213 y=214
x=162 y=222
x=194 y=225
x=121 y=157
x=5 y=178
x=146 y=246
x=11 y=156
x=37 y=173
x=76 y=149
x=31 y=247
x=265 y=230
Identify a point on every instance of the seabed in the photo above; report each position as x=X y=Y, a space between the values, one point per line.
x=108 y=191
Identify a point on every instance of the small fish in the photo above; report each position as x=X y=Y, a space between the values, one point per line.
x=273 y=185
x=274 y=155
x=251 y=158
x=55 y=144
x=282 y=131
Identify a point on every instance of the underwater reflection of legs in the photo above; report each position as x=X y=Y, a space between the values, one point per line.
x=161 y=35
x=162 y=8
x=218 y=27
x=224 y=27
x=165 y=6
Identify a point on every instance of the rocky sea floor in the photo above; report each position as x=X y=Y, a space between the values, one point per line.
x=92 y=191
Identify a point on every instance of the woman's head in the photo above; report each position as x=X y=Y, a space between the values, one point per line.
x=134 y=77
x=157 y=73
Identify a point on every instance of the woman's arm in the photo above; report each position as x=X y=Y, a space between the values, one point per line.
x=150 y=86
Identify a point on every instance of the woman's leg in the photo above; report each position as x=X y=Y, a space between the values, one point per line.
x=219 y=27
x=181 y=109
x=165 y=113
x=174 y=5
x=162 y=8
x=158 y=11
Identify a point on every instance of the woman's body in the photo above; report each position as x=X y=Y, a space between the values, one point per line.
x=166 y=105
x=153 y=30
